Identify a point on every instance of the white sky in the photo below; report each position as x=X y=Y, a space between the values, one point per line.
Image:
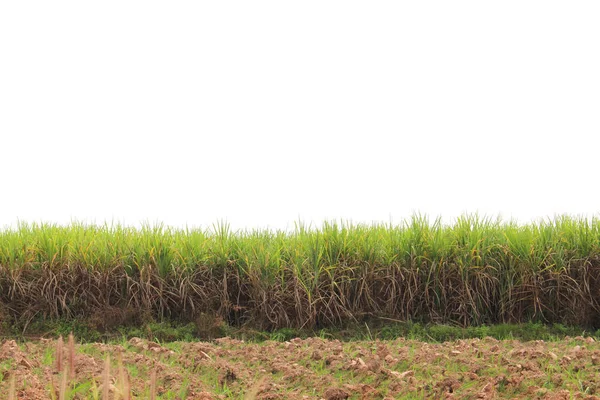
x=263 y=113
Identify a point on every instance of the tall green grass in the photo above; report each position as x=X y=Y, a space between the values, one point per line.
x=474 y=271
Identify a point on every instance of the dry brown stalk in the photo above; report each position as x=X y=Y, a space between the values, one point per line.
x=71 y=356
x=12 y=391
x=106 y=378
x=52 y=389
x=59 y=354
x=153 y=385
x=127 y=387
x=124 y=388
x=62 y=394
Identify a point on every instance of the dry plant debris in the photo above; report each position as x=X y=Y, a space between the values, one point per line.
x=310 y=368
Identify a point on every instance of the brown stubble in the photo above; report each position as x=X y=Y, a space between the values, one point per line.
x=153 y=385
x=71 y=356
x=106 y=379
x=62 y=393
x=124 y=387
x=59 y=354
x=12 y=391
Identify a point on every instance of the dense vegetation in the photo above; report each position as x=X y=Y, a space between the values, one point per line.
x=475 y=271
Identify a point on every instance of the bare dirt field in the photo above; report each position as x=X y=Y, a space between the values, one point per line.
x=311 y=368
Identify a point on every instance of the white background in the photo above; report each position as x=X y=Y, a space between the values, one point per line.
x=263 y=113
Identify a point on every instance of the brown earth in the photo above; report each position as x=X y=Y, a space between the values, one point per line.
x=312 y=369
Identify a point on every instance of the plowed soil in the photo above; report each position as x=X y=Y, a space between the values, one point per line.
x=311 y=369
